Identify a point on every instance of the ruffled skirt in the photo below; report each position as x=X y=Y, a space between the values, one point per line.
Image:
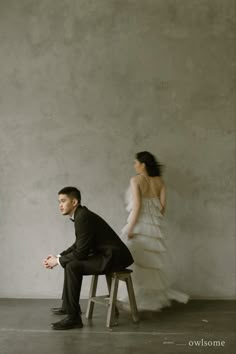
x=152 y=288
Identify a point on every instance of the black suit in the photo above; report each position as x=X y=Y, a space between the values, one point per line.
x=97 y=249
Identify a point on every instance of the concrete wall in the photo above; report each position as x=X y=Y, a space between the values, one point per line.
x=84 y=84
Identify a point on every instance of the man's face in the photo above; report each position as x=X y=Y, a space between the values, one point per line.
x=67 y=204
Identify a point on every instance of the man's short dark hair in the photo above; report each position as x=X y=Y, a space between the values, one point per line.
x=72 y=192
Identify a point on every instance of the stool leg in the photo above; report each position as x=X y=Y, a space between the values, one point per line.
x=132 y=301
x=109 y=280
x=112 y=301
x=92 y=293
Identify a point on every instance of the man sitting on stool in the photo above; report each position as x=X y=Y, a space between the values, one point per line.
x=96 y=250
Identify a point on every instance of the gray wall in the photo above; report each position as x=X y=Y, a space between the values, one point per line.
x=86 y=84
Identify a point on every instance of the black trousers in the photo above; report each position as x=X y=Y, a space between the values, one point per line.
x=72 y=288
x=73 y=277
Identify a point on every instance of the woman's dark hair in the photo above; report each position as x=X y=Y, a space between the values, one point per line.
x=72 y=192
x=153 y=167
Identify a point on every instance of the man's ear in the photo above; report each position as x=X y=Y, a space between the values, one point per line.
x=75 y=202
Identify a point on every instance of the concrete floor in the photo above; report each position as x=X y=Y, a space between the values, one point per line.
x=25 y=328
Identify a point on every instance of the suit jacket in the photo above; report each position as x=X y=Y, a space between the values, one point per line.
x=97 y=246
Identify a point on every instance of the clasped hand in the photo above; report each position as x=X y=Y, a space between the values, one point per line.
x=50 y=262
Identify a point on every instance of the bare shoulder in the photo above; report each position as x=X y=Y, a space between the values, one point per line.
x=135 y=179
x=158 y=182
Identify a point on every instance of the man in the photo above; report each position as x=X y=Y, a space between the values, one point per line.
x=96 y=250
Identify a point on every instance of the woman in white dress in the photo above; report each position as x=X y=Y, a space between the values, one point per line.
x=146 y=203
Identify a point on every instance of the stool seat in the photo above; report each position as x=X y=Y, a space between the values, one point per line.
x=125 y=271
x=110 y=300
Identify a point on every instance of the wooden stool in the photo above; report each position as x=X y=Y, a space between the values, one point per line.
x=110 y=301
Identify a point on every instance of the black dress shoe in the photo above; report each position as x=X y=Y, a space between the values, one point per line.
x=68 y=323
x=58 y=311
x=61 y=311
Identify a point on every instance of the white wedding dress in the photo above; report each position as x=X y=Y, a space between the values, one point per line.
x=152 y=287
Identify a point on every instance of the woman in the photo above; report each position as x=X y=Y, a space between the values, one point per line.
x=146 y=203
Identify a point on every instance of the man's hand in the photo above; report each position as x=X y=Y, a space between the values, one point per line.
x=50 y=262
